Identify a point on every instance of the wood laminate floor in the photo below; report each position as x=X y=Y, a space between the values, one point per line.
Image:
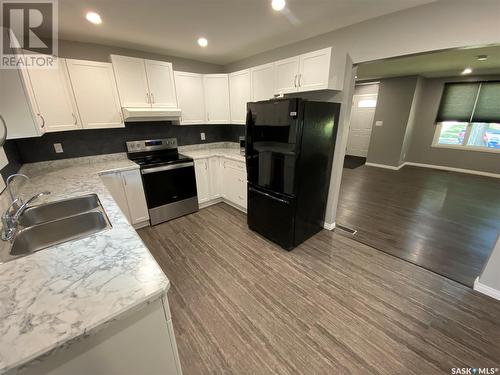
x=241 y=305
x=444 y=221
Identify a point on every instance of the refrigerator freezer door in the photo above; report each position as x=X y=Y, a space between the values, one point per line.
x=272 y=216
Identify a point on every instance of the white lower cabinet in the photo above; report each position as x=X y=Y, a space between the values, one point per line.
x=202 y=180
x=127 y=191
x=220 y=179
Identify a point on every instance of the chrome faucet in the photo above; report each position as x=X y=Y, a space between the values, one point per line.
x=10 y=218
x=9 y=188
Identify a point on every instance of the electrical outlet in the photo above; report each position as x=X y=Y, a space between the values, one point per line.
x=58 y=148
x=202 y=136
x=379 y=123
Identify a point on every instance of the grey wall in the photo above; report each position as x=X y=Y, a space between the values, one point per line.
x=97 y=52
x=14 y=158
x=421 y=150
x=395 y=98
x=366 y=89
x=106 y=141
x=491 y=274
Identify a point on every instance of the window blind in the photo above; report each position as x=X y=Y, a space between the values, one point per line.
x=457 y=102
x=488 y=103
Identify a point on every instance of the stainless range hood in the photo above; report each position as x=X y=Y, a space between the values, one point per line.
x=151 y=114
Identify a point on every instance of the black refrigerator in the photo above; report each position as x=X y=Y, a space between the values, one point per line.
x=289 y=152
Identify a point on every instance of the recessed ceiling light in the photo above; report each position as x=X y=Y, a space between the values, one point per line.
x=482 y=57
x=94 y=18
x=467 y=71
x=278 y=4
x=203 y=42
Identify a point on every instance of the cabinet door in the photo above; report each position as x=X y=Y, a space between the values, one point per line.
x=114 y=184
x=202 y=180
x=136 y=199
x=217 y=98
x=15 y=106
x=190 y=97
x=95 y=93
x=214 y=169
x=286 y=75
x=130 y=74
x=262 y=81
x=240 y=94
x=54 y=98
x=315 y=70
x=161 y=84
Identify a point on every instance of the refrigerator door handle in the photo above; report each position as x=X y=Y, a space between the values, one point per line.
x=268 y=195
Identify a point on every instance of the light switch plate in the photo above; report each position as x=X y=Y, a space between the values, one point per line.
x=58 y=148
x=202 y=136
x=379 y=123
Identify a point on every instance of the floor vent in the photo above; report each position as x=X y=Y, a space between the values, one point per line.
x=346 y=229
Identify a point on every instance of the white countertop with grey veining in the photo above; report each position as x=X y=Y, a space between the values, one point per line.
x=65 y=292
x=229 y=150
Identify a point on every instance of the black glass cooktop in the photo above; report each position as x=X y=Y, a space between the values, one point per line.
x=152 y=160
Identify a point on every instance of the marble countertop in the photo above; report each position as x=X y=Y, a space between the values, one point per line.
x=228 y=153
x=61 y=294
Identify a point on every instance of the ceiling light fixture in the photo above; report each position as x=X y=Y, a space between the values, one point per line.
x=467 y=71
x=94 y=18
x=278 y=5
x=203 y=42
x=482 y=57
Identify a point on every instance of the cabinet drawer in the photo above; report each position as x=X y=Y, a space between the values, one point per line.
x=238 y=165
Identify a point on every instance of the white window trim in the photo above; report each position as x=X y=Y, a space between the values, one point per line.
x=463 y=146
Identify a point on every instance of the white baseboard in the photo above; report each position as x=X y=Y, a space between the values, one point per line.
x=385 y=166
x=451 y=169
x=485 y=289
x=329 y=226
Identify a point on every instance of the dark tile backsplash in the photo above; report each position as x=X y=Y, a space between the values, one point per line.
x=106 y=141
x=14 y=158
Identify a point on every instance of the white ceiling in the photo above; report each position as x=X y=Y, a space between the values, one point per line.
x=235 y=29
x=437 y=64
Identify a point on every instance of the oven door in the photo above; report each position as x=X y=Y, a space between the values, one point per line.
x=168 y=184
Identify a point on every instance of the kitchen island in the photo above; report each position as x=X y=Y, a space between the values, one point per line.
x=94 y=305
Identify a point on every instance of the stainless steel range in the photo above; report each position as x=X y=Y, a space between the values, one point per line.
x=168 y=178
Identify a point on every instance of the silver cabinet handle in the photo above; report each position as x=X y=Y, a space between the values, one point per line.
x=300 y=76
x=43 y=120
x=295 y=80
x=75 y=121
x=147 y=97
x=152 y=98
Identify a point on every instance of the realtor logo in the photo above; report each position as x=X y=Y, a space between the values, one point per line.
x=30 y=26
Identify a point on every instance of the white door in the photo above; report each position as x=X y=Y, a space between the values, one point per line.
x=217 y=98
x=240 y=94
x=54 y=98
x=262 y=81
x=360 y=128
x=286 y=75
x=130 y=74
x=190 y=97
x=161 y=84
x=114 y=184
x=96 y=95
x=314 y=70
x=136 y=198
x=202 y=180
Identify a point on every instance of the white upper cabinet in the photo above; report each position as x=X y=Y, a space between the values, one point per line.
x=262 y=81
x=55 y=104
x=314 y=71
x=216 y=87
x=161 y=84
x=240 y=94
x=96 y=94
x=190 y=96
x=287 y=72
x=130 y=73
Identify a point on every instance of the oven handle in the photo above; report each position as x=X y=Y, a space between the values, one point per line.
x=167 y=167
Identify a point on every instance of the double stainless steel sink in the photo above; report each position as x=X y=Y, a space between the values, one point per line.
x=57 y=222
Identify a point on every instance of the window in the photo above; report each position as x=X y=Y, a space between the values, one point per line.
x=469 y=116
